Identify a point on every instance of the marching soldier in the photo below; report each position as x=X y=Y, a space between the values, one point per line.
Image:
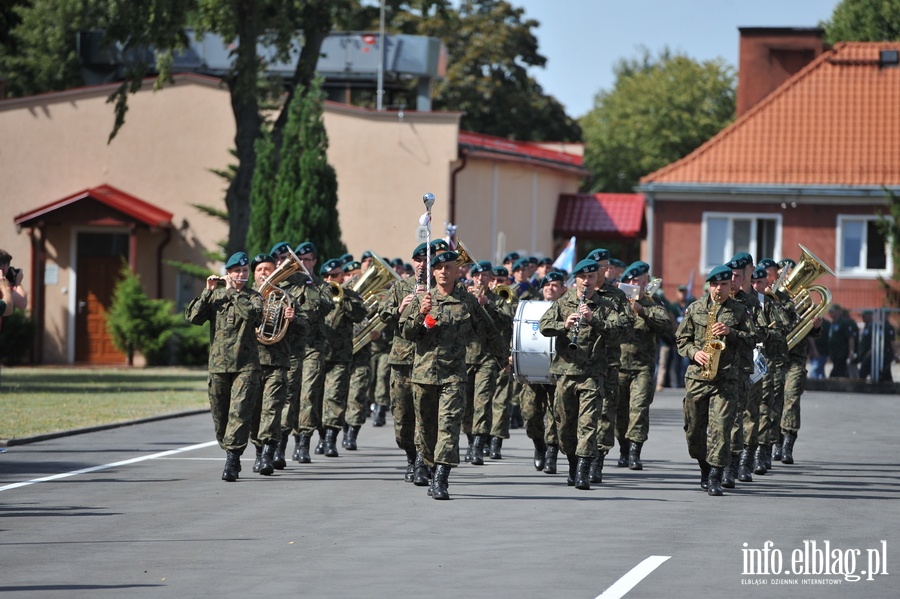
x=579 y=320
x=537 y=398
x=637 y=362
x=274 y=361
x=710 y=395
x=233 y=313
x=348 y=310
x=400 y=295
x=360 y=373
x=441 y=323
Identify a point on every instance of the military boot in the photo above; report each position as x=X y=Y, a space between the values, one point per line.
x=441 y=483
x=776 y=447
x=551 y=457
x=303 y=454
x=379 y=418
x=715 y=482
x=744 y=471
x=258 y=459
x=634 y=455
x=496 y=446
x=596 y=473
x=320 y=446
x=352 y=436
x=410 y=466
x=278 y=460
x=787 y=448
x=516 y=420
x=624 y=450
x=420 y=476
x=730 y=471
x=478 y=450
x=296 y=454
x=704 y=474
x=759 y=459
x=767 y=456
x=583 y=475
x=540 y=454
x=232 y=465
x=346 y=429
x=331 y=443
x=471 y=438
x=267 y=465
x=573 y=469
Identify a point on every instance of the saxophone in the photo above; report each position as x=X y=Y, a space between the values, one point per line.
x=713 y=346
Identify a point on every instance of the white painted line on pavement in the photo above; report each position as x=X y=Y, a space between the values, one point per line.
x=619 y=588
x=152 y=456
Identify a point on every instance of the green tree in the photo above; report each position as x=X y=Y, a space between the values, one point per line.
x=137 y=323
x=660 y=110
x=889 y=227
x=262 y=190
x=864 y=21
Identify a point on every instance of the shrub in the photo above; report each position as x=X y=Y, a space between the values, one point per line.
x=16 y=338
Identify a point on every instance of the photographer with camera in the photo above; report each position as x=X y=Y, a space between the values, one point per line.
x=13 y=295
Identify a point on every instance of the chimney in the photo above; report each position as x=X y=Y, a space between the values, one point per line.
x=769 y=56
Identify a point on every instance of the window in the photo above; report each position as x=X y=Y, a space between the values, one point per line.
x=862 y=249
x=724 y=235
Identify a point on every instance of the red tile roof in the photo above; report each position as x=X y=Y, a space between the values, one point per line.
x=836 y=122
x=130 y=206
x=478 y=144
x=600 y=215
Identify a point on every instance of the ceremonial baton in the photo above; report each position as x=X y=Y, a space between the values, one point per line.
x=428 y=199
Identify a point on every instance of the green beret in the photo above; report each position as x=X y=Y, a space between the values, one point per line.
x=346 y=258
x=306 y=247
x=758 y=273
x=520 y=264
x=420 y=251
x=768 y=263
x=639 y=267
x=511 y=257
x=351 y=266
x=599 y=254
x=439 y=245
x=237 y=259
x=481 y=266
x=444 y=257
x=367 y=254
x=259 y=259
x=741 y=260
x=329 y=265
x=786 y=262
x=719 y=273
x=552 y=276
x=500 y=271
x=616 y=262
x=585 y=266
x=280 y=248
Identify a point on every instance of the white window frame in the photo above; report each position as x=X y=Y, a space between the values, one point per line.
x=729 y=236
x=859 y=273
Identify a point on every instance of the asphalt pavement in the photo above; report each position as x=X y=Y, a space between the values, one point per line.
x=140 y=511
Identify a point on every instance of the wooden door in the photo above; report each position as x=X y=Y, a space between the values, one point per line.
x=100 y=259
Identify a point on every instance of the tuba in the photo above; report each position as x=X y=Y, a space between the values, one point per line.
x=464 y=257
x=275 y=301
x=798 y=285
x=372 y=286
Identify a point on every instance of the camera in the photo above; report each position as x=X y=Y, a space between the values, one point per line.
x=12 y=274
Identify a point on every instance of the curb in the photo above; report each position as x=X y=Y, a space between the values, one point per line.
x=93 y=429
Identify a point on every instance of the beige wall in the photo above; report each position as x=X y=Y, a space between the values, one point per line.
x=515 y=199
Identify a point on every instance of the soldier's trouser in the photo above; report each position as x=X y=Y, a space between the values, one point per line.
x=231 y=399
x=480 y=390
x=403 y=407
x=751 y=415
x=265 y=426
x=311 y=390
x=608 y=405
x=334 y=401
x=736 y=433
x=794 y=384
x=776 y=407
x=501 y=405
x=708 y=418
x=636 y=392
x=537 y=410
x=662 y=364
x=381 y=379
x=439 y=411
x=766 y=405
x=577 y=402
x=291 y=411
x=358 y=394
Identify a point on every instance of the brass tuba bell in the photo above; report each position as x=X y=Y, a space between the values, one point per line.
x=372 y=286
x=275 y=301
x=798 y=285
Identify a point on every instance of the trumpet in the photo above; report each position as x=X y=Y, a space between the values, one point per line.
x=505 y=292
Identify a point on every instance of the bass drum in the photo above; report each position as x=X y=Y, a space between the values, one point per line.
x=532 y=352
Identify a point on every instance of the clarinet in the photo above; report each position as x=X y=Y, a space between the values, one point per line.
x=573 y=342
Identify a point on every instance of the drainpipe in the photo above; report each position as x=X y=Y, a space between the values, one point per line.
x=167 y=237
x=464 y=155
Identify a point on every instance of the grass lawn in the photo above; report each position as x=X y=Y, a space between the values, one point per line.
x=35 y=401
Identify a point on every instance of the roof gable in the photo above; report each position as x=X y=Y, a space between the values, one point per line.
x=836 y=122
x=121 y=203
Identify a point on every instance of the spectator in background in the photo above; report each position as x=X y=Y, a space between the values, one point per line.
x=6 y=299
x=818 y=351
x=18 y=298
x=865 y=349
x=841 y=341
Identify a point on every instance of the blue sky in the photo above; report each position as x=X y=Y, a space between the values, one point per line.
x=584 y=39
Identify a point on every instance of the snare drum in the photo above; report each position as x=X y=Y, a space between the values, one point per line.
x=532 y=352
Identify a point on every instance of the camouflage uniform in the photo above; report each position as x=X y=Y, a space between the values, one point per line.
x=794 y=385
x=609 y=394
x=482 y=371
x=749 y=395
x=233 y=359
x=776 y=352
x=400 y=361
x=537 y=408
x=709 y=405
x=439 y=369
x=338 y=354
x=580 y=371
x=274 y=361
x=379 y=364
x=319 y=303
x=638 y=361
x=360 y=385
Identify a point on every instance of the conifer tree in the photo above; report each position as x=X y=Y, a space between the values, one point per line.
x=259 y=235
